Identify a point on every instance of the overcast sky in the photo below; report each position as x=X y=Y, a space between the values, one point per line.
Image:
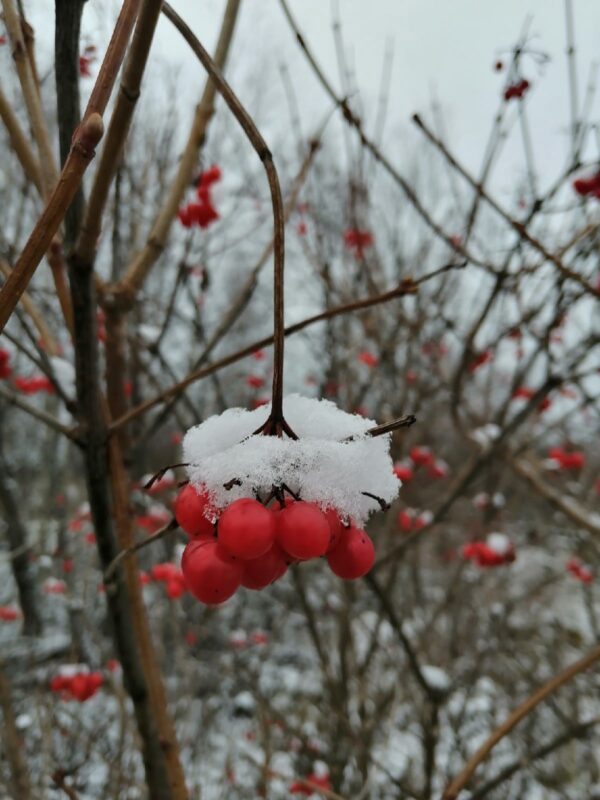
x=441 y=49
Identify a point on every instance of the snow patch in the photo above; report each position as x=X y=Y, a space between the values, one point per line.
x=319 y=466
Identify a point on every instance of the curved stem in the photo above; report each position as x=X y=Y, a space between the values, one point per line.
x=276 y=424
x=526 y=707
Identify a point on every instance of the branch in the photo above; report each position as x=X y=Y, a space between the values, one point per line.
x=526 y=707
x=568 y=505
x=20 y=143
x=143 y=261
x=82 y=151
x=354 y=122
x=129 y=551
x=245 y=294
x=406 y=287
x=40 y=414
x=31 y=96
x=50 y=344
x=113 y=58
x=515 y=224
x=262 y=150
x=118 y=129
x=575 y=732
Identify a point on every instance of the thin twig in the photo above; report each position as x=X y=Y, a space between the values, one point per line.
x=82 y=151
x=111 y=569
x=526 y=707
x=515 y=224
x=276 y=419
x=140 y=266
x=406 y=287
x=40 y=414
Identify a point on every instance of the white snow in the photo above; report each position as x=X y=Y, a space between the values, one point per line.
x=64 y=372
x=69 y=670
x=320 y=466
x=485 y=435
x=499 y=542
x=148 y=333
x=436 y=677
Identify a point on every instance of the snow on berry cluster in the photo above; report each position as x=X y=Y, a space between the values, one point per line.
x=75 y=683
x=257 y=503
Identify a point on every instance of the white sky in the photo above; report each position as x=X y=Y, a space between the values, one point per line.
x=441 y=49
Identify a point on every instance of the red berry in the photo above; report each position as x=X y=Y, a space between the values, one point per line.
x=261 y=572
x=210 y=574
x=354 y=556
x=190 y=508
x=247 y=529
x=303 y=530
x=336 y=528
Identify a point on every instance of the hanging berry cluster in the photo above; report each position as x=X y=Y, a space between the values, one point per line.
x=288 y=500
x=78 y=686
x=516 y=91
x=253 y=543
x=202 y=213
x=588 y=187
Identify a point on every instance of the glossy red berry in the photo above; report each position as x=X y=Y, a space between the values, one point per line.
x=354 y=556
x=260 y=572
x=303 y=530
x=336 y=528
x=190 y=508
x=247 y=529
x=210 y=573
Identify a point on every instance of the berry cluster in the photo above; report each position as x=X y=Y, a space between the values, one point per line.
x=357 y=241
x=203 y=213
x=311 y=784
x=495 y=552
x=565 y=459
x=516 y=91
x=5 y=367
x=588 y=187
x=420 y=457
x=80 y=686
x=168 y=574
x=86 y=59
x=479 y=361
x=252 y=544
x=9 y=613
x=34 y=385
x=579 y=571
x=526 y=393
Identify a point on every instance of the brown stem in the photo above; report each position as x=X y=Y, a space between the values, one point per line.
x=113 y=58
x=118 y=127
x=31 y=96
x=140 y=266
x=526 y=707
x=387 y=427
x=519 y=227
x=569 y=506
x=276 y=424
x=38 y=413
x=406 y=287
x=245 y=294
x=129 y=551
x=13 y=743
x=50 y=344
x=20 y=143
x=82 y=151
x=170 y=769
